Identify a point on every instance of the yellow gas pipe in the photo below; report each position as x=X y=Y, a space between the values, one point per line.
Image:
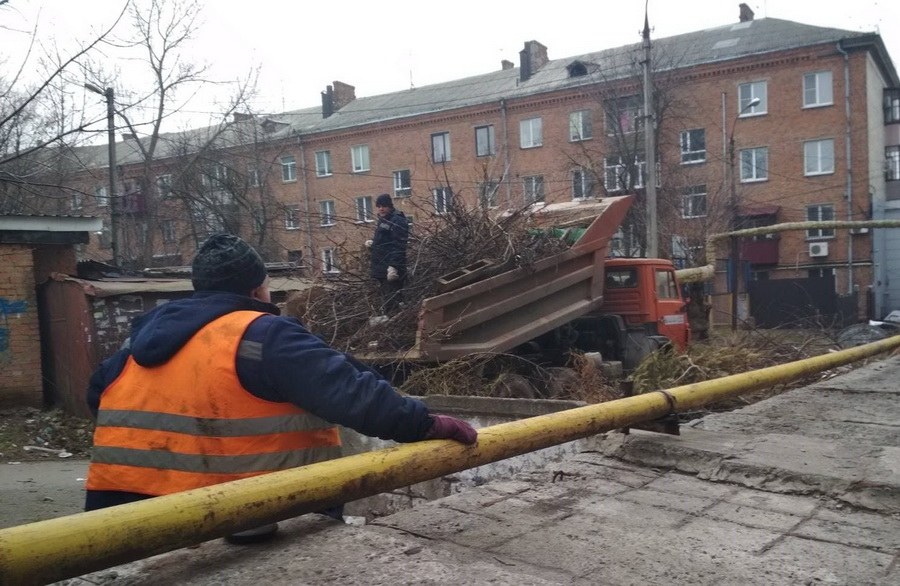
x=66 y=547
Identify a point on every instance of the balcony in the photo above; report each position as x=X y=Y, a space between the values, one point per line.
x=760 y=252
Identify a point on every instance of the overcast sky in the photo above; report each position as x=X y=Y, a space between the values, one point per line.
x=381 y=47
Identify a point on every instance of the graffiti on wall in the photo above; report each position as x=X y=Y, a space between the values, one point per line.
x=8 y=308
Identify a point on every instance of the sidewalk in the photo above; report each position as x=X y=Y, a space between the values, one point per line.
x=801 y=489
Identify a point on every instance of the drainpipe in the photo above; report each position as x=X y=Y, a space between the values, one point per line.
x=503 y=118
x=847 y=153
x=309 y=238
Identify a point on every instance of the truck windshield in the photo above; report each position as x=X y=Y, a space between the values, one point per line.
x=665 y=285
x=621 y=279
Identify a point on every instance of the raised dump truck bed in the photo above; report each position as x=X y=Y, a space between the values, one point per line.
x=502 y=311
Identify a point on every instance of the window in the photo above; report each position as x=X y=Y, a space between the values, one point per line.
x=440 y=147
x=582 y=183
x=818 y=157
x=580 y=126
x=693 y=146
x=620 y=175
x=164 y=185
x=817 y=89
x=749 y=92
x=693 y=201
x=891 y=105
x=484 y=141
x=891 y=163
x=167 y=227
x=402 y=183
x=329 y=261
x=100 y=197
x=621 y=279
x=820 y=213
x=754 y=164
x=624 y=115
x=364 y=209
x=288 y=169
x=665 y=285
x=254 y=177
x=292 y=218
x=533 y=189
x=359 y=157
x=76 y=200
x=295 y=257
x=326 y=213
x=323 y=163
x=487 y=194
x=443 y=199
x=531 y=133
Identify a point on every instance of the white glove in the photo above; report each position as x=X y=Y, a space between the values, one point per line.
x=369 y=243
x=392 y=274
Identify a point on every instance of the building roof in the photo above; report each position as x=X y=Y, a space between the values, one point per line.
x=130 y=286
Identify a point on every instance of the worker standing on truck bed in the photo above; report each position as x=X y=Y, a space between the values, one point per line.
x=388 y=247
x=218 y=387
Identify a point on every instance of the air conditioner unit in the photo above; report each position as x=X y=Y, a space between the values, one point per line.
x=818 y=249
x=859 y=230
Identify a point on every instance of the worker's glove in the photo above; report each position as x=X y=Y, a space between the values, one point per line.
x=392 y=274
x=445 y=427
x=369 y=243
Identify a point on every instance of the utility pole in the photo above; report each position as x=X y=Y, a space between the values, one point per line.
x=650 y=148
x=113 y=200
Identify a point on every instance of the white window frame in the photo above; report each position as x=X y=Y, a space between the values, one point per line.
x=616 y=168
x=329 y=261
x=531 y=133
x=292 y=218
x=327 y=215
x=76 y=200
x=288 y=169
x=818 y=89
x=323 y=164
x=820 y=212
x=402 y=183
x=359 y=158
x=581 y=126
x=488 y=192
x=100 y=197
x=691 y=152
x=254 y=177
x=692 y=198
x=624 y=115
x=583 y=184
x=440 y=147
x=168 y=231
x=892 y=163
x=485 y=145
x=365 y=209
x=533 y=189
x=818 y=157
x=747 y=92
x=749 y=161
x=442 y=200
x=164 y=185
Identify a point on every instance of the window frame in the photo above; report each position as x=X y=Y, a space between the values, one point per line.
x=755 y=89
x=755 y=178
x=164 y=185
x=254 y=177
x=327 y=213
x=488 y=130
x=533 y=190
x=819 y=208
x=402 y=189
x=892 y=163
x=583 y=180
x=689 y=196
x=329 y=261
x=686 y=142
x=581 y=126
x=535 y=132
x=292 y=218
x=818 y=158
x=817 y=89
x=440 y=147
x=624 y=115
x=168 y=231
x=359 y=158
x=101 y=200
x=442 y=200
x=488 y=194
x=288 y=169
x=365 y=209
x=323 y=164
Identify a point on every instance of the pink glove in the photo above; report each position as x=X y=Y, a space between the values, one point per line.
x=445 y=427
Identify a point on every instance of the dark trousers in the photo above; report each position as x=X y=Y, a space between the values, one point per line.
x=391 y=294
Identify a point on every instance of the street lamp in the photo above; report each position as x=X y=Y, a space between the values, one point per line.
x=111 y=128
x=735 y=243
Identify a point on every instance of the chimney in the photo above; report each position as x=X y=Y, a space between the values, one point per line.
x=532 y=58
x=343 y=94
x=241 y=117
x=506 y=64
x=746 y=12
x=328 y=102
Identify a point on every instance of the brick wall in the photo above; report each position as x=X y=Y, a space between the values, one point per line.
x=20 y=342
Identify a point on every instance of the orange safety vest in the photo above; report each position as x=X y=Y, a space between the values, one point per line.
x=189 y=423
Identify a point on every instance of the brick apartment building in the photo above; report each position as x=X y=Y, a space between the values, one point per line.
x=807 y=118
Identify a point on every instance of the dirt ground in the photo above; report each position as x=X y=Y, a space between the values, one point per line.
x=30 y=435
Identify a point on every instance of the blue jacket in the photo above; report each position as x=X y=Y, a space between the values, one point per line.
x=389 y=244
x=278 y=360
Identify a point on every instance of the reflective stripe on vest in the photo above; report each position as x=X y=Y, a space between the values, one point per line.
x=189 y=423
